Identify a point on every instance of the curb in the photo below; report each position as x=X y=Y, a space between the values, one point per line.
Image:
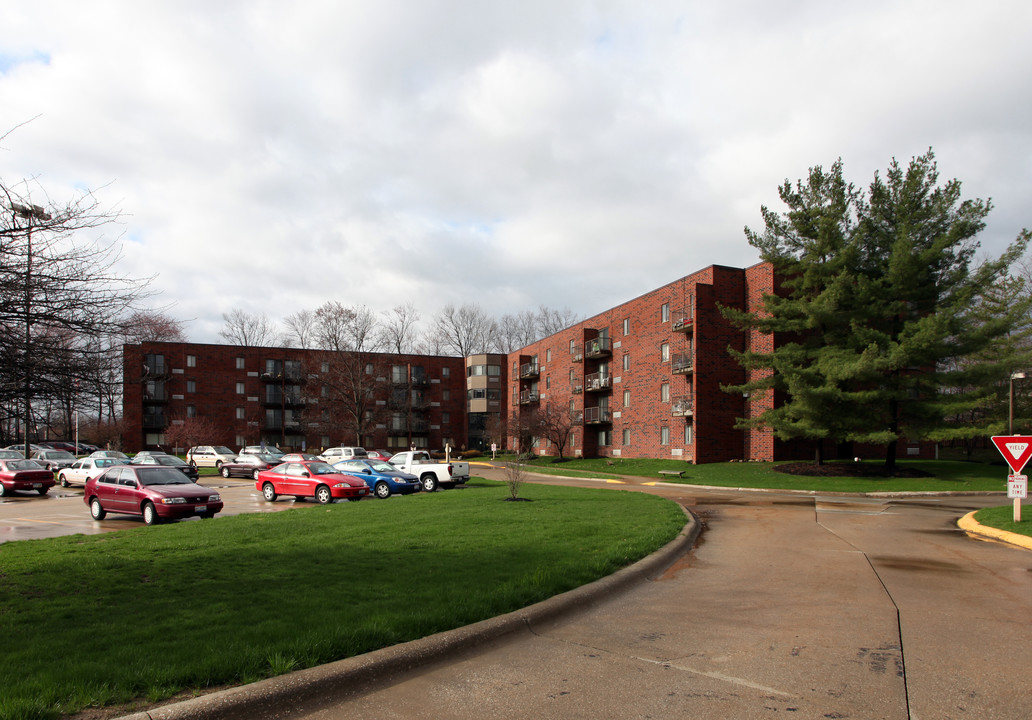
x=969 y=525
x=335 y=681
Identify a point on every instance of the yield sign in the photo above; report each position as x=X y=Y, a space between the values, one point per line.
x=1016 y=450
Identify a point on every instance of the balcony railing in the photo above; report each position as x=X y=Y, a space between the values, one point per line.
x=682 y=321
x=529 y=370
x=529 y=396
x=597 y=415
x=598 y=382
x=681 y=363
x=682 y=406
x=152 y=422
x=577 y=354
x=598 y=348
x=576 y=389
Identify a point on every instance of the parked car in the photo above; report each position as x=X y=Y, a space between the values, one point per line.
x=309 y=479
x=382 y=478
x=259 y=450
x=300 y=457
x=155 y=492
x=336 y=454
x=59 y=445
x=378 y=455
x=24 y=476
x=209 y=455
x=80 y=471
x=145 y=453
x=11 y=455
x=53 y=460
x=431 y=473
x=167 y=461
x=20 y=447
x=248 y=465
x=86 y=449
x=109 y=454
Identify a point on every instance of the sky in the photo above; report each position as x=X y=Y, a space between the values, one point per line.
x=274 y=156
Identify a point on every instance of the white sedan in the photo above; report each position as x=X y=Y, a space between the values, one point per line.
x=79 y=472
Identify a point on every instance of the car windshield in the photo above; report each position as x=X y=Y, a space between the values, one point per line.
x=59 y=455
x=10 y=455
x=222 y=450
x=271 y=459
x=380 y=466
x=107 y=462
x=168 y=460
x=159 y=475
x=321 y=468
x=23 y=465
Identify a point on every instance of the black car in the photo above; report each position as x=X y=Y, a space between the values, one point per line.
x=248 y=465
x=167 y=461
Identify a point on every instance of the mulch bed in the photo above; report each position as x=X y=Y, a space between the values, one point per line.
x=848 y=469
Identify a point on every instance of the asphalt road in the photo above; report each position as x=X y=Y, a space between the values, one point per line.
x=810 y=607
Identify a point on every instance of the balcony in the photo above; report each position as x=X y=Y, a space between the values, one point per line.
x=576 y=389
x=157 y=395
x=682 y=406
x=597 y=416
x=598 y=382
x=682 y=321
x=152 y=421
x=529 y=371
x=681 y=363
x=598 y=348
x=528 y=397
x=577 y=354
x=418 y=426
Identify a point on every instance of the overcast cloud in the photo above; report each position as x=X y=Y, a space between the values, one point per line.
x=273 y=156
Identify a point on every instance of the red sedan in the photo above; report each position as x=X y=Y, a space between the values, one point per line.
x=310 y=479
x=24 y=475
x=156 y=492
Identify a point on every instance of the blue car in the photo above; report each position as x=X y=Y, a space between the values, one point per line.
x=382 y=478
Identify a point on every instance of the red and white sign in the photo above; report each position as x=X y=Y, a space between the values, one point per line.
x=1016 y=450
x=1017 y=486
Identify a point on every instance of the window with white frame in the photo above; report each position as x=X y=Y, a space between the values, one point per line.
x=445 y=418
x=627 y=326
x=627 y=361
x=626 y=398
x=664 y=436
x=626 y=436
x=446 y=372
x=664 y=352
x=240 y=413
x=239 y=388
x=664 y=392
x=665 y=312
x=191 y=386
x=688 y=434
x=239 y=363
x=548 y=355
x=191 y=361
x=191 y=411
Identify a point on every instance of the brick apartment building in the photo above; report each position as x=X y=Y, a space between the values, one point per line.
x=643 y=379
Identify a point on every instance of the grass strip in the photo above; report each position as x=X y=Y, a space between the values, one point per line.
x=1002 y=518
x=947 y=475
x=144 y=614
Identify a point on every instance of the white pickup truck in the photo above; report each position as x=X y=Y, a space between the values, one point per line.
x=430 y=472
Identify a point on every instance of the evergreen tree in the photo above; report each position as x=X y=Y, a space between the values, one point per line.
x=878 y=329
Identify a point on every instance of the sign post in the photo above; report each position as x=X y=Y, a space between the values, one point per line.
x=1016 y=450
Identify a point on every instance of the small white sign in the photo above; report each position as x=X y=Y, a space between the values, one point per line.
x=1017 y=486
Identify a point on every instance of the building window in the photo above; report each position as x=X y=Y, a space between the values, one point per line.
x=191 y=386
x=605 y=437
x=664 y=436
x=324 y=367
x=548 y=355
x=446 y=372
x=399 y=374
x=191 y=411
x=627 y=436
x=688 y=434
x=573 y=407
x=573 y=346
x=627 y=326
x=664 y=352
x=627 y=361
x=369 y=369
x=239 y=363
x=191 y=361
x=665 y=312
x=324 y=391
x=239 y=388
x=664 y=392
x=571 y=376
x=446 y=394
x=239 y=413
x=445 y=418
x=548 y=381
x=626 y=398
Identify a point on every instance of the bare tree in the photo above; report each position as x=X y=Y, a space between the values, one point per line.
x=300 y=330
x=398 y=328
x=515 y=476
x=517 y=331
x=556 y=422
x=246 y=329
x=342 y=328
x=551 y=321
x=465 y=330
x=190 y=431
x=152 y=326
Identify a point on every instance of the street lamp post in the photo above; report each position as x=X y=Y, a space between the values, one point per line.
x=30 y=213
x=1010 y=404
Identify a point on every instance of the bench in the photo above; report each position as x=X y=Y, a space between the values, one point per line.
x=678 y=473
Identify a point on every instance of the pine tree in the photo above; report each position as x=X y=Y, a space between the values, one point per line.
x=877 y=337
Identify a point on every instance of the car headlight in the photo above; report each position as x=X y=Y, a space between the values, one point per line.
x=214 y=498
x=173 y=501
x=342 y=484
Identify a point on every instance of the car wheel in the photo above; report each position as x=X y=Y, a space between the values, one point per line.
x=382 y=490
x=64 y=480
x=207 y=516
x=43 y=491
x=218 y=464
x=97 y=510
x=193 y=464
x=255 y=475
x=225 y=472
x=269 y=492
x=429 y=482
x=3 y=490
x=150 y=514
x=323 y=495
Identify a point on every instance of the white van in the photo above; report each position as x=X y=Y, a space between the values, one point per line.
x=336 y=454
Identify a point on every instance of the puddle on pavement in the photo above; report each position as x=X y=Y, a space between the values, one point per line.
x=917 y=564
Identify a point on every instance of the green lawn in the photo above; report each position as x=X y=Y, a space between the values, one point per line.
x=951 y=476
x=1002 y=518
x=145 y=613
